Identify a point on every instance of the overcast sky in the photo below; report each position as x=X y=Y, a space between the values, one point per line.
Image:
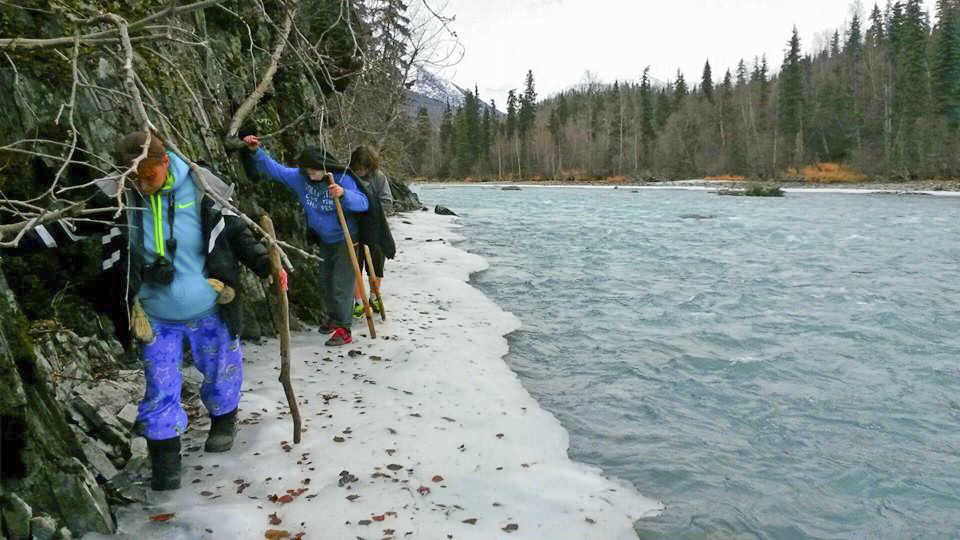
x=615 y=39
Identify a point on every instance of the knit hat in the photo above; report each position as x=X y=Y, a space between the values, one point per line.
x=131 y=146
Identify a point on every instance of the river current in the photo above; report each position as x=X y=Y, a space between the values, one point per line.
x=767 y=367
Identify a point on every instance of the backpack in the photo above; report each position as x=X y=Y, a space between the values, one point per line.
x=374 y=229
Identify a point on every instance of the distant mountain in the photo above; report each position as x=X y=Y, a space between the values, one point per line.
x=434 y=93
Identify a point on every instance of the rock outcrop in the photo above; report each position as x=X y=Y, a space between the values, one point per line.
x=44 y=467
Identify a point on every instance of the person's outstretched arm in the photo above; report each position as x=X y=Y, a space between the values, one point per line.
x=266 y=165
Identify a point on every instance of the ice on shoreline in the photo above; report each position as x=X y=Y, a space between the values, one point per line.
x=422 y=433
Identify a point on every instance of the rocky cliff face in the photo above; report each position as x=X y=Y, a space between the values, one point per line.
x=69 y=392
x=192 y=84
x=46 y=466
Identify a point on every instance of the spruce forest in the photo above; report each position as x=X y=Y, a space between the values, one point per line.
x=882 y=98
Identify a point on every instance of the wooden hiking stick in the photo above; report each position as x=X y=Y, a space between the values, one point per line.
x=372 y=277
x=353 y=260
x=267 y=224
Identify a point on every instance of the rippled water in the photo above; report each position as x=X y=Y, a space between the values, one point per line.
x=769 y=368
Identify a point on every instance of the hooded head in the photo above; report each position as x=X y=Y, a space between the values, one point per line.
x=316 y=162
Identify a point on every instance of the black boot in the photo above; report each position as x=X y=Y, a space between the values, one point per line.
x=222 y=430
x=165 y=461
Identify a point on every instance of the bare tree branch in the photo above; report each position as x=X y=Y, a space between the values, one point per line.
x=26 y=226
x=73 y=128
x=39 y=43
x=247 y=106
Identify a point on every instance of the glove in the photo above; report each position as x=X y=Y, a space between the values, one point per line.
x=225 y=292
x=141 y=324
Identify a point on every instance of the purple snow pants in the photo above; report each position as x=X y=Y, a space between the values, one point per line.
x=218 y=357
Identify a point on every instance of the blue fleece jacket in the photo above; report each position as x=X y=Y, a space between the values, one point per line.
x=189 y=296
x=315 y=199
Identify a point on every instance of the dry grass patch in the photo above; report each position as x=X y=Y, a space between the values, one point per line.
x=617 y=179
x=828 y=173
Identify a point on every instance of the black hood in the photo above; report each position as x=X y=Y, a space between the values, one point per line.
x=319 y=159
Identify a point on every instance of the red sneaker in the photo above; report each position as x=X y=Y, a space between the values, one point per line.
x=341 y=336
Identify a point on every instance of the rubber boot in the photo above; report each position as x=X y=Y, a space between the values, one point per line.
x=222 y=430
x=165 y=462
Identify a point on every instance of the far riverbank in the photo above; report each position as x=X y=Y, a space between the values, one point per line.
x=922 y=187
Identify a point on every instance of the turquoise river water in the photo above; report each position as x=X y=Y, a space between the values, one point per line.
x=768 y=368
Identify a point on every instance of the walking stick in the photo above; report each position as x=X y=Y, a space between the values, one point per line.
x=267 y=224
x=372 y=277
x=353 y=260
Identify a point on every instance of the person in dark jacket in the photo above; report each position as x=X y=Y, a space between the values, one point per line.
x=365 y=164
x=180 y=250
x=316 y=196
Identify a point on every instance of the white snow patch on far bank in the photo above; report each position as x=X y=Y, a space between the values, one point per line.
x=443 y=440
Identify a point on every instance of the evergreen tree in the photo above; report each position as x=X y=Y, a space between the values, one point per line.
x=741 y=74
x=909 y=35
x=446 y=142
x=663 y=109
x=853 y=45
x=755 y=74
x=528 y=106
x=646 y=117
x=513 y=125
x=596 y=116
x=424 y=133
x=835 y=44
x=706 y=82
x=485 y=128
x=494 y=130
x=388 y=57
x=461 y=145
x=563 y=111
x=726 y=107
x=764 y=82
x=680 y=90
x=473 y=126
x=792 y=92
x=875 y=34
x=909 y=30
x=946 y=62
x=511 y=113
x=615 y=129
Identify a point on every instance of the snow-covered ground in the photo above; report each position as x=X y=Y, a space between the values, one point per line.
x=423 y=432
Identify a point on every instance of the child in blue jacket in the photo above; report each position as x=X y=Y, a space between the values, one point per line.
x=316 y=196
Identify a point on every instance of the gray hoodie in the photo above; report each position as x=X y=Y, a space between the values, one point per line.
x=379 y=187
